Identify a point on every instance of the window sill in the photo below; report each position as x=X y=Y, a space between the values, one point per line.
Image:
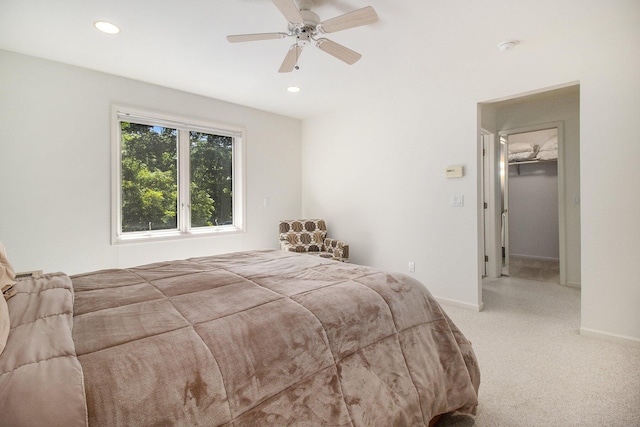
x=158 y=236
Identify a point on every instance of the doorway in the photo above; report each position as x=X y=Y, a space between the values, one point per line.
x=503 y=120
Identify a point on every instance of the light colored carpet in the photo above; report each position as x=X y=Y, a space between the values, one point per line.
x=537 y=370
x=534 y=269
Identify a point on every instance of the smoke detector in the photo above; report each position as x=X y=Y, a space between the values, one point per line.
x=508 y=45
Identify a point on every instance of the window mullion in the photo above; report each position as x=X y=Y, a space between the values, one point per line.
x=184 y=181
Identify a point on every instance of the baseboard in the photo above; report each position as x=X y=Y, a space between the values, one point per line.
x=574 y=284
x=460 y=304
x=533 y=257
x=607 y=336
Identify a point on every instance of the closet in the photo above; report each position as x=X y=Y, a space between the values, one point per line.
x=530 y=228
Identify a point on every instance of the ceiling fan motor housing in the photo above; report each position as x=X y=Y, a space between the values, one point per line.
x=311 y=19
x=305 y=4
x=305 y=32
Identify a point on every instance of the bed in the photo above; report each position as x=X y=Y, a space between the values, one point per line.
x=256 y=338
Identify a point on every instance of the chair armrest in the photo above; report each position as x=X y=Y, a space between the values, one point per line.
x=288 y=247
x=337 y=248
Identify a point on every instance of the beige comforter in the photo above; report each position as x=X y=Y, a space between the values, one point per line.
x=267 y=338
x=40 y=376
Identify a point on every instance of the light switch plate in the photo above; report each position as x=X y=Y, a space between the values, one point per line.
x=457 y=200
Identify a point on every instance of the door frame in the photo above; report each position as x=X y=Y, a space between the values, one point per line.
x=485 y=138
x=562 y=233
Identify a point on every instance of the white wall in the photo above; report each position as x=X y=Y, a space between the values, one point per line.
x=387 y=194
x=55 y=165
x=533 y=211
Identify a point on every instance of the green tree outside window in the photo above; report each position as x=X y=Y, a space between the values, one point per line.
x=149 y=161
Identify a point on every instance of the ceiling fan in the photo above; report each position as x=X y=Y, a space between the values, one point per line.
x=306 y=27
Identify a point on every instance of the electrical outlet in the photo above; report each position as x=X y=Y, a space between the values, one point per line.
x=412 y=267
x=28 y=274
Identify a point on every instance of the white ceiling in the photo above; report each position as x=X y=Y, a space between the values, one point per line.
x=182 y=44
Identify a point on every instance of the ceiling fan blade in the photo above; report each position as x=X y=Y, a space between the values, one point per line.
x=291 y=59
x=342 y=53
x=366 y=15
x=290 y=11
x=253 y=37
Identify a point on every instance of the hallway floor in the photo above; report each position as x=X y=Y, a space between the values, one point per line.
x=534 y=269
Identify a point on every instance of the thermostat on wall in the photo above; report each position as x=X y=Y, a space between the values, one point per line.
x=455 y=171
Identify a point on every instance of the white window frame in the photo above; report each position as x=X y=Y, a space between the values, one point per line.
x=184 y=126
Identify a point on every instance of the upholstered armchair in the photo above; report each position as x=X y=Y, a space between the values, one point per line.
x=310 y=236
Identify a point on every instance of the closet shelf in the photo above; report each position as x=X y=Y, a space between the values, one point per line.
x=528 y=162
x=532 y=161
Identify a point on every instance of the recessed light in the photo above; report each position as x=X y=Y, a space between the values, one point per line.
x=294 y=89
x=106 y=27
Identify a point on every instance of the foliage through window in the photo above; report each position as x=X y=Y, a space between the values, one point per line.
x=211 y=179
x=175 y=178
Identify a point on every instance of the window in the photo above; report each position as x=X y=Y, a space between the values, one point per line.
x=172 y=178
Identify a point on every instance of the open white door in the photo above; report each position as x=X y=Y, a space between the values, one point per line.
x=504 y=203
x=491 y=204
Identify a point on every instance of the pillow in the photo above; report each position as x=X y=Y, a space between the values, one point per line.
x=550 y=145
x=523 y=147
x=7 y=275
x=4 y=324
